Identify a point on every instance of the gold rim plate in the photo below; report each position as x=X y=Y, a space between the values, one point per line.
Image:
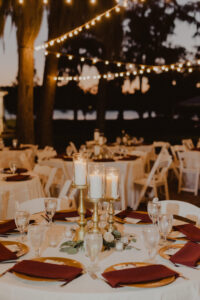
x=66 y=261
x=23 y=248
x=150 y=284
x=165 y=248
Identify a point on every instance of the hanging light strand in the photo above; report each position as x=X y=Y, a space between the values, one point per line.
x=79 y=29
x=130 y=65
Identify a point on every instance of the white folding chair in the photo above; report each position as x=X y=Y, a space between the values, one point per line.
x=65 y=189
x=47 y=175
x=73 y=147
x=37 y=205
x=190 y=169
x=180 y=208
x=156 y=178
x=188 y=143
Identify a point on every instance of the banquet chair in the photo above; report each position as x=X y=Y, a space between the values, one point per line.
x=157 y=177
x=4 y=198
x=188 y=143
x=46 y=153
x=188 y=168
x=73 y=147
x=180 y=208
x=47 y=176
x=141 y=154
x=25 y=162
x=36 y=205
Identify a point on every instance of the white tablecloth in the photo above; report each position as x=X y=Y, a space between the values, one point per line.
x=84 y=287
x=20 y=191
x=129 y=170
x=25 y=161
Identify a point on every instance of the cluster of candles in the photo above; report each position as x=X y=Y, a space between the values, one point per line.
x=102 y=183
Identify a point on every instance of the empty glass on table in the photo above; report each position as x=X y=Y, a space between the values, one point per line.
x=36 y=233
x=153 y=209
x=21 y=221
x=151 y=239
x=93 y=245
x=165 y=222
x=50 y=205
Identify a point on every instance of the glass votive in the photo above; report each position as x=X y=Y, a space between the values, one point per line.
x=80 y=169
x=112 y=183
x=96 y=181
x=119 y=246
x=69 y=234
x=124 y=239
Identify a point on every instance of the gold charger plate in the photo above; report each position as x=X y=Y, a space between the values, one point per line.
x=150 y=284
x=165 y=248
x=122 y=221
x=23 y=248
x=66 y=261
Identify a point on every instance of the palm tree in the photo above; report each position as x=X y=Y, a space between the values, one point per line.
x=27 y=19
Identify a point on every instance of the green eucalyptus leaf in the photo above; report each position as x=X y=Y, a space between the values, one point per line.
x=116 y=234
x=134 y=240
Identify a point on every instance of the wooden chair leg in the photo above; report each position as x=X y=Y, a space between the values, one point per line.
x=155 y=191
x=180 y=181
x=166 y=190
x=196 y=184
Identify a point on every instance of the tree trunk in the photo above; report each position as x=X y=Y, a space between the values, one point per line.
x=101 y=105
x=25 y=116
x=45 y=113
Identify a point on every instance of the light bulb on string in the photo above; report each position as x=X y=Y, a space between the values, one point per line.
x=93 y=1
x=68 y=1
x=21 y=1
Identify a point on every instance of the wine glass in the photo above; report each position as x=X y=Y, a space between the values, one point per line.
x=93 y=244
x=14 y=143
x=153 y=209
x=36 y=234
x=21 y=221
x=151 y=239
x=50 y=205
x=165 y=222
x=13 y=167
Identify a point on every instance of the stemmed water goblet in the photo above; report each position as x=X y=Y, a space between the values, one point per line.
x=153 y=209
x=14 y=143
x=93 y=244
x=36 y=234
x=21 y=221
x=50 y=205
x=13 y=167
x=151 y=239
x=165 y=222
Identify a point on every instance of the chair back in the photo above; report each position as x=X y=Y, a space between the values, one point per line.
x=73 y=147
x=188 y=143
x=180 y=208
x=65 y=189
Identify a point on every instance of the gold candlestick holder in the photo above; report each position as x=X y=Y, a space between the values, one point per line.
x=95 y=216
x=111 y=212
x=81 y=210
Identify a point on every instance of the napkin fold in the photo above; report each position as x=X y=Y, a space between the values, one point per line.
x=192 y=232
x=135 y=215
x=70 y=214
x=129 y=157
x=19 y=170
x=7 y=226
x=47 y=270
x=188 y=255
x=138 y=275
x=103 y=160
x=18 y=177
x=6 y=254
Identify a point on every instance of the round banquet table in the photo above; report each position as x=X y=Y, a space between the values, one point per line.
x=129 y=171
x=84 y=287
x=20 y=191
x=26 y=161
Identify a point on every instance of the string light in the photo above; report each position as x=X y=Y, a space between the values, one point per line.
x=77 y=30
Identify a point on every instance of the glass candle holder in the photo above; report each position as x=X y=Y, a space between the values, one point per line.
x=80 y=169
x=96 y=181
x=112 y=183
x=96 y=135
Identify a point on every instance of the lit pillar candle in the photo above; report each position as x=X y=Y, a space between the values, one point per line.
x=96 y=150
x=80 y=170
x=112 y=183
x=96 y=186
x=96 y=135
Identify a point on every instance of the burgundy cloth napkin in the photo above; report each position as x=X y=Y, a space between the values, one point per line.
x=19 y=177
x=138 y=275
x=47 y=270
x=70 y=214
x=191 y=231
x=19 y=170
x=6 y=254
x=129 y=157
x=103 y=160
x=189 y=255
x=135 y=215
x=7 y=226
